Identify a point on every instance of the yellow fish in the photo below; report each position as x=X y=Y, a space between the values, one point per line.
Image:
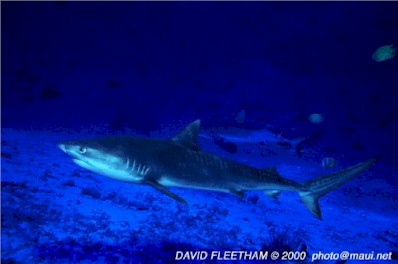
x=384 y=53
x=316 y=118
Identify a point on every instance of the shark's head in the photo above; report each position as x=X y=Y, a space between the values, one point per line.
x=105 y=158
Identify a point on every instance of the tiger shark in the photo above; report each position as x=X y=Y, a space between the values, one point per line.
x=179 y=162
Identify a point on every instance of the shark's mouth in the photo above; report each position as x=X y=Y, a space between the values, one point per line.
x=78 y=160
x=109 y=170
x=83 y=164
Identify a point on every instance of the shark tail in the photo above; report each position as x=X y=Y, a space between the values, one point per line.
x=314 y=189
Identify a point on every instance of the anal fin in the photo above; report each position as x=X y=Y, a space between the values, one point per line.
x=165 y=191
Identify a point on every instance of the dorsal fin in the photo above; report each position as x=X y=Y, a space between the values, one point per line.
x=188 y=137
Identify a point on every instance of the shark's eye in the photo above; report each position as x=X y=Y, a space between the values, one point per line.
x=82 y=150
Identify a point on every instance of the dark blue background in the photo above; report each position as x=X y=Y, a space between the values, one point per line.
x=77 y=69
x=140 y=65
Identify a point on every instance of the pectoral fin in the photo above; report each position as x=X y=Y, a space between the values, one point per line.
x=164 y=190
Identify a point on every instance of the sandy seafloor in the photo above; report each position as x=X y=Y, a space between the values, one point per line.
x=55 y=212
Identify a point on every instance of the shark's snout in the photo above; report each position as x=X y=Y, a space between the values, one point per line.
x=62 y=147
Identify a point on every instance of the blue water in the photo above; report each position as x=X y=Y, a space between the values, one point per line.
x=73 y=70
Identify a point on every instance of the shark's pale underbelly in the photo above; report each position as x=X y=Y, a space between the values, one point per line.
x=200 y=184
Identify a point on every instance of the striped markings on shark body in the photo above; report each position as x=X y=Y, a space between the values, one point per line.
x=137 y=168
x=179 y=162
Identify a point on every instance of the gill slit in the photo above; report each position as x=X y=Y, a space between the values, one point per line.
x=137 y=167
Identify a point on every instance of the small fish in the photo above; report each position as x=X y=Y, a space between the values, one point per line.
x=328 y=163
x=316 y=118
x=384 y=53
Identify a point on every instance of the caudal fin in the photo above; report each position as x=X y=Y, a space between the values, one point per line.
x=318 y=187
